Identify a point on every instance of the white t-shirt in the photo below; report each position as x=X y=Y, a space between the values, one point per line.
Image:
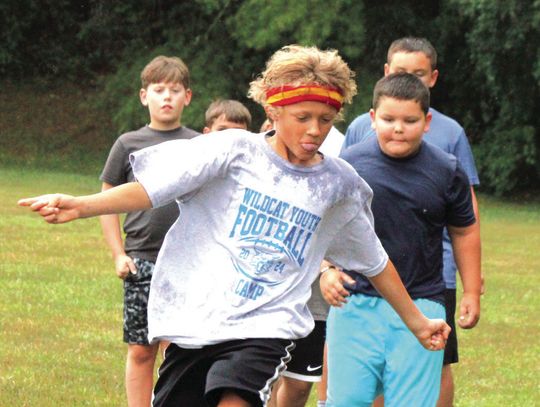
x=252 y=232
x=332 y=143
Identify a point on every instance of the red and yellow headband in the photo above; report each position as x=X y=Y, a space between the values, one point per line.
x=287 y=95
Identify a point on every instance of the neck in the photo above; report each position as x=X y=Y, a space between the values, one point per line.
x=164 y=126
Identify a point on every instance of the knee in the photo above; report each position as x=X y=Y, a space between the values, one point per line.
x=295 y=391
x=141 y=354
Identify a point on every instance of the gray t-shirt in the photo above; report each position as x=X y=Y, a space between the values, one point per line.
x=144 y=230
x=240 y=260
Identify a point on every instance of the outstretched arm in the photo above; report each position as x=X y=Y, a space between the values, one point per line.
x=60 y=208
x=431 y=333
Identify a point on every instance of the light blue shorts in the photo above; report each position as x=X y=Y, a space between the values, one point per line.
x=371 y=351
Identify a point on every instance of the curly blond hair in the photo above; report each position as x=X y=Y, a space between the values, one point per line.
x=297 y=65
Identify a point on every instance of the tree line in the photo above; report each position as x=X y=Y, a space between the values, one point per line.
x=489 y=58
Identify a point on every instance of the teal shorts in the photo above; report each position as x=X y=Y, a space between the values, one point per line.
x=372 y=352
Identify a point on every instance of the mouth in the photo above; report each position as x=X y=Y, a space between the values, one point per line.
x=166 y=107
x=310 y=147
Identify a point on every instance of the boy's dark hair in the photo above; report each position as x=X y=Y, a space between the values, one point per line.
x=233 y=110
x=413 y=44
x=401 y=86
x=165 y=69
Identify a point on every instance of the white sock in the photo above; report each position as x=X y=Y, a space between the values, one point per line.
x=321 y=403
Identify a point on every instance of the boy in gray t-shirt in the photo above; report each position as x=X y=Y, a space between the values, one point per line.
x=165 y=91
x=259 y=214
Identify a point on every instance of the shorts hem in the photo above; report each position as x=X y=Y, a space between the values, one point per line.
x=301 y=377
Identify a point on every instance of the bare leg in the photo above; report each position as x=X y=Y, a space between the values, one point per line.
x=292 y=392
x=140 y=374
x=446 y=398
x=163 y=347
x=322 y=385
x=273 y=398
x=231 y=399
x=379 y=402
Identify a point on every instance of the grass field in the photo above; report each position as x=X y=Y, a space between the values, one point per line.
x=61 y=305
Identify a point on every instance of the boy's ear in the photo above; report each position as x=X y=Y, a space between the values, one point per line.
x=433 y=78
x=372 y=116
x=189 y=94
x=270 y=112
x=429 y=116
x=142 y=97
x=386 y=69
x=206 y=130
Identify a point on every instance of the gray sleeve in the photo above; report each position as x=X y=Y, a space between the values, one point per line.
x=116 y=169
x=317 y=305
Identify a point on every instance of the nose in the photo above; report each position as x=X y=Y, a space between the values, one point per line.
x=314 y=129
x=167 y=93
x=398 y=127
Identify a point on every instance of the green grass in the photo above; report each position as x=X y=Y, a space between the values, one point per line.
x=500 y=358
x=61 y=305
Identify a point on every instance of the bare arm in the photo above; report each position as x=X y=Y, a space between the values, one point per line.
x=110 y=225
x=60 y=208
x=467 y=254
x=477 y=216
x=431 y=333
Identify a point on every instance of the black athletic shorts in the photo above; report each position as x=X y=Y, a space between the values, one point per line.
x=451 y=349
x=198 y=377
x=307 y=356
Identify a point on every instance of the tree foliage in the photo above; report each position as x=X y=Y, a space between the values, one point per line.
x=495 y=88
x=489 y=58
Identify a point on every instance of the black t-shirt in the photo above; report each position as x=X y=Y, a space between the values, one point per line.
x=414 y=198
x=145 y=230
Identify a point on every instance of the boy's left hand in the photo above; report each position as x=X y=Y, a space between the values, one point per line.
x=469 y=311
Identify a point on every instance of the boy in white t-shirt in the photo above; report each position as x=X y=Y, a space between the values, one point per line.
x=259 y=213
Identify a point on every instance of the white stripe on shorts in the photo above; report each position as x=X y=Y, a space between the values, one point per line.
x=267 y=390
